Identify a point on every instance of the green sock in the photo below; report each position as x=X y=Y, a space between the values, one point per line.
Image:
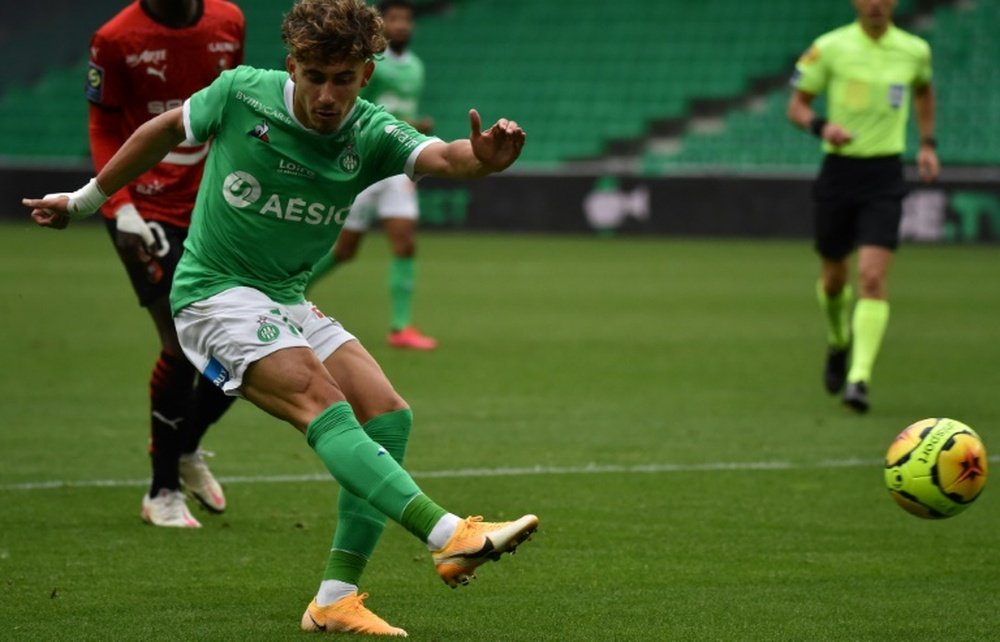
x=344 y=566
x=422 y=514
x=321 y=268
x=836 y=310
x=363 y=468
x=401 y=276
x=871 y=316
x=359 y=524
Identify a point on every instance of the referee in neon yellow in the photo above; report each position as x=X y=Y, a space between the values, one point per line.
x=868 y=70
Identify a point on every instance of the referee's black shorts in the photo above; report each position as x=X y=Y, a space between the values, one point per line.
x=859 y=201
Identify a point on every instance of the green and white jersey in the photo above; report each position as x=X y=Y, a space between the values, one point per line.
x=397 y=84
x=275 y=194
x=868 y=84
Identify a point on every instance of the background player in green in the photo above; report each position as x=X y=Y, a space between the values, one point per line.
x=291 y=149
x=868 y=69
x=396 y=85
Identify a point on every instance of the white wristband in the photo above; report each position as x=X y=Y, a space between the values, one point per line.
x=86 y=200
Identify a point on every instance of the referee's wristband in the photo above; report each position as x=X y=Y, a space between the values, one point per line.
x=816 y=126
x=930 y=141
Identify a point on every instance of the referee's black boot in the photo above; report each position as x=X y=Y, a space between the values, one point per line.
x=856 y=396
x=835 y=371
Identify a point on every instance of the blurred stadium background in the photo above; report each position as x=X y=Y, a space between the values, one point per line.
x=664 y=117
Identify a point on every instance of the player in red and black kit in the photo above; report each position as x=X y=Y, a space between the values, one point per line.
x=146 y=60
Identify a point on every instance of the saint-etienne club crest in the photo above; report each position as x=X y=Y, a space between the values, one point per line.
x=349 y=161
x=266 y=331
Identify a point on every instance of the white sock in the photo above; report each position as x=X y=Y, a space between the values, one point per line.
x=443 y=531
x=332 y=590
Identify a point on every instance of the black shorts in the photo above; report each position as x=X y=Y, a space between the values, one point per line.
x=152 y=280
x=859 y=201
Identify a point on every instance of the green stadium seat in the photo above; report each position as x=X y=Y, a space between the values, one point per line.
x=608 y=73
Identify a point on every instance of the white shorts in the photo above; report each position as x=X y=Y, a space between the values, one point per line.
x=223 y=334
x=393 y=197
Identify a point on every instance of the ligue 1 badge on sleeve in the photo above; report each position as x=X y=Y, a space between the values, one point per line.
x=95 y=82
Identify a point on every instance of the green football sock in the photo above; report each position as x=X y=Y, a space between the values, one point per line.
x=401 y=277
x=364 y=468
x=871 y=316
x=422 y=515
x=321 y=268
x=836 y=310
x=359 y=524
x=345 y=567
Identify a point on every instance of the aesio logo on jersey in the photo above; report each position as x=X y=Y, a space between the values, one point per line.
x=241 y=190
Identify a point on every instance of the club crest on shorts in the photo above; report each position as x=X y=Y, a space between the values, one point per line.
x=267 y=331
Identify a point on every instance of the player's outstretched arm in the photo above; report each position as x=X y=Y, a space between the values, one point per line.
x=483 y=153
x=145 y=148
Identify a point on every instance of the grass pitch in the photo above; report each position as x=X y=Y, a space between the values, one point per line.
x=656 y=402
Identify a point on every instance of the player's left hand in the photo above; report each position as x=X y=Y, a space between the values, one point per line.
x=499 y=146
x=49 y=211
x=927 y=164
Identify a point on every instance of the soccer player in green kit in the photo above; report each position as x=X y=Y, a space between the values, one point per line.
x=290 y=151
x=869 y=69
x=396 y=85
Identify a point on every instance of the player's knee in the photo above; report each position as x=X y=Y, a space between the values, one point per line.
x=307 y=394
x=378 y=405
x=871 y=283
x=404 y=248
x=320 y=391
x=396 y=403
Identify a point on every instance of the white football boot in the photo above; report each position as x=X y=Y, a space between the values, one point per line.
x=168 y=508
x=199 y=481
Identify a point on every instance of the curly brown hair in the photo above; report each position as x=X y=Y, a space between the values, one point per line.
x=327 y=31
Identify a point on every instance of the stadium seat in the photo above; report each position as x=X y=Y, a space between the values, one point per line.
x=965 y=54
x=580 y=76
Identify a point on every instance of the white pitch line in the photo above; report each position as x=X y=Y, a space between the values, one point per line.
x=589 y=469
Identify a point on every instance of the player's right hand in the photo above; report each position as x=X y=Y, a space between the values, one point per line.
x=49 y=211
x=134 y=238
